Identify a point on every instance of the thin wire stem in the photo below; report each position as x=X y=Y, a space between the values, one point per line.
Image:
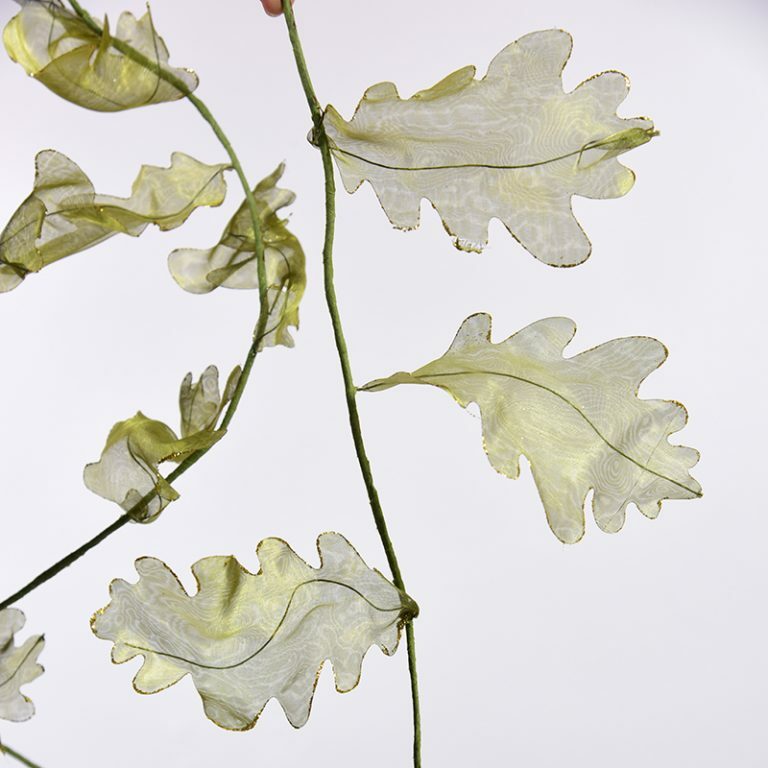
x=350 y=391
x=59 y=566
x=261 y=325
x=6 y=750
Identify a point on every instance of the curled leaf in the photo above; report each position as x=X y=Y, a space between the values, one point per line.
x=64 y=215
x=247 y=638
x=512 y=146
x=201 y=404
x=61 y=50
x=578 y=420
x=231 y=263
x=18 y=666
x=128 y=470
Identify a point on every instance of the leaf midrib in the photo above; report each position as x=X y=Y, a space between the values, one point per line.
x=453 y=166
x=575 y=408
x=274 y=632
x=22 y=662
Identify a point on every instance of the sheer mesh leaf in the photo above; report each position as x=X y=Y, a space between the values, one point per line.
x=511 y=146
x=247 y=638
x=231 y=263
x=578 y=420
x=18 y=666
x=201 y=404
x=60 y=50
x=64 y=215
x=128 y=468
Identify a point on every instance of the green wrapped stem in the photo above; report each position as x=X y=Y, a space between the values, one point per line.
x=350 y=390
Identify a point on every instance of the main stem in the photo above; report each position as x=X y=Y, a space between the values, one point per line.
x=261 y=325
x=350 y=390
x=6 y=750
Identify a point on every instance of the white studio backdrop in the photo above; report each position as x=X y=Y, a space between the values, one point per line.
x=646 y=647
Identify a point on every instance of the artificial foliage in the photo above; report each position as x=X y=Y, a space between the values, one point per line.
x=128 y=470
x=512 y=146
x=58 y=48
x=246 y=638
x=577 y=419
x=232 y=262
x=18 y=666
x=64 y=215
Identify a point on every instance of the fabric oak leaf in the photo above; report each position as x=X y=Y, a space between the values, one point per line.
x=84 y=66
x=231 y=263
x=512 y=146
x=246 y=638
x=201 y=404
x=64 y=215
x=578 y=420
x=127 y=472
x=18 y=666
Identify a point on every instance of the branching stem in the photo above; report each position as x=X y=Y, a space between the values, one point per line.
x=350 y=391
x=261 y=325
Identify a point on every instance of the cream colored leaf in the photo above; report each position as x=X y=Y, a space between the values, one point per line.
x=64 y=215
x=18 y=666
x=201 y=404
x=231 y=263
x=512 y=146
x=128 y=469
x=247 y=638
x=60 y=50
x=578 y=420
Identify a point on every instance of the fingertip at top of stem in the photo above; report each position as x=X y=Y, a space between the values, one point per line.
x=273 y=7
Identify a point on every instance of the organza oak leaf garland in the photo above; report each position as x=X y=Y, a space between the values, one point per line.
x=578 y=420
x=231 y=263
x=56 y=47
x=64 y=215
x=18 y=666
x=128 y=468
x=512 y=146
x=247 y=638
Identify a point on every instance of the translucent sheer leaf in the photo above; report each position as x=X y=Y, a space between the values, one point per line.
x=128 y=469
x=512 y=146
x=60 y=50
x=64 y=215
x=231 y=263
x=247 y=638
x=18 y=666
x=200 y=403
x=18 y=250
x=578 y=420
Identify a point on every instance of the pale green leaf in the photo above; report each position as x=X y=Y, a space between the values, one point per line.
x=18 y=666
x=231 y=263
x=512 y=146
x=247 y=638
x=578 y=420
x=64 y=215
x=128 y=469
x=200 y=403
x=59 y=49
